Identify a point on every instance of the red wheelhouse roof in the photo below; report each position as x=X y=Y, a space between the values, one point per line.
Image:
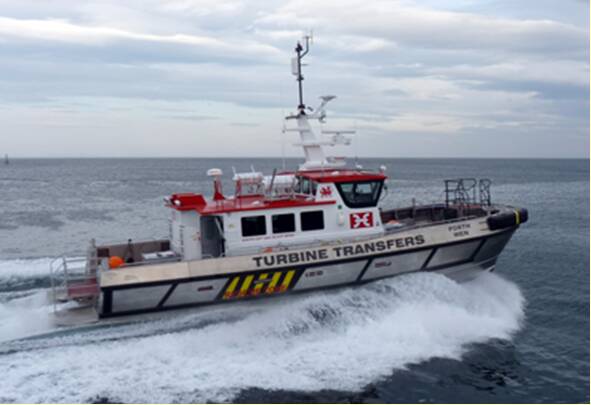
x=189 y=202
x=341 y=176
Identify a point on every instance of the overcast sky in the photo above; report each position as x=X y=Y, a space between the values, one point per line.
x=498 y=78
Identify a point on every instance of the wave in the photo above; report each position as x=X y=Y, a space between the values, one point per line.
x=23 y=313
x=341 y=340
x=22 y=274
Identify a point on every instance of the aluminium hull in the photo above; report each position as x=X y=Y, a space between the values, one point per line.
x=460 y=250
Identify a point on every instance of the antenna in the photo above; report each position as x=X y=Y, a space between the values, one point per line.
x=355 y=144
x=283 y=130
x=296 y=69
x=338 y=137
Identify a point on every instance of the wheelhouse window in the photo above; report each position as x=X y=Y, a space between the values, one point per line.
x=283 y=223
x=254 y=226
x=313 y=187
x=304 y=185
x=312 y=220
x=360 y=194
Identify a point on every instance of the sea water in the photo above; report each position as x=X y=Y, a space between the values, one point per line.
x=520 y=334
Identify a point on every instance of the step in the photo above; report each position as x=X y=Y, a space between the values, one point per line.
x=83 y=289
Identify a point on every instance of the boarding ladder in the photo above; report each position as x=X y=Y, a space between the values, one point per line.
x=75 y=279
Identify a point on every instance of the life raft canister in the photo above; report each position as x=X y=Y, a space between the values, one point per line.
x=507 y=219
x=115 y=262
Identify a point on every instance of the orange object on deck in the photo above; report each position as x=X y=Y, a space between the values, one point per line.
x=115 y=261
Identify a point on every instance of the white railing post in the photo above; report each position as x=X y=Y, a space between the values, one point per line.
x=51 y=277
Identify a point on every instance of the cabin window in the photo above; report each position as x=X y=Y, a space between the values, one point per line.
x=312 y=220
x=254 y=226
x=283 y=223
x=360 y=194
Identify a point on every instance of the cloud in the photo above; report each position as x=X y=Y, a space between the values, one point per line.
x=63 y=31
x=567 y=72
x=402 y=70
x=413 y=25
x=244 y=124
x=192 y=117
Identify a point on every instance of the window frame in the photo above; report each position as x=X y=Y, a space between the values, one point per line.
x=293 y=217
x=353 y=204
x=256 y=234
x=312 y=212
x=305 y=185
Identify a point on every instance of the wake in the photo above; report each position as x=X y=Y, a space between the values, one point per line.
x=342 y=340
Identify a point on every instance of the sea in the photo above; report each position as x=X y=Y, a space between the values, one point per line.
x=520 y=334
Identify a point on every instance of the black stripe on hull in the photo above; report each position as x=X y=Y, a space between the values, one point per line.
x=365 y=267
x=107 y=302
x=167 y=295
x=424 y=266
x=478 y=248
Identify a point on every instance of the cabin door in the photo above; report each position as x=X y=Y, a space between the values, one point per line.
x=212 y=236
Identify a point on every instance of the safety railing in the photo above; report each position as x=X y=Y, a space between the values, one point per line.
x=71 y=279
x=462 y=192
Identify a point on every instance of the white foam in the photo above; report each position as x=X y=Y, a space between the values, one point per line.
x=17 y=269
x=24 y=311
x=24 y=314
x=342 y=340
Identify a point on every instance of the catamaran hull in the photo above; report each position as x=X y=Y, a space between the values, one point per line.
x=458 y=259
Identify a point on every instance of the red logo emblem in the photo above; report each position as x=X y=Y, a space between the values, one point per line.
x=361 y=220
x=325 y=191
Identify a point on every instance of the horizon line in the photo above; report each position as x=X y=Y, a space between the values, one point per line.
x=299 y=157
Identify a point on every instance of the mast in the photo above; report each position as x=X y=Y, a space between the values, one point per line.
x=301 y=52
x=312 y=144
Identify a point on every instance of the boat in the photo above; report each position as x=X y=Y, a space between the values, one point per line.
x=319 y=226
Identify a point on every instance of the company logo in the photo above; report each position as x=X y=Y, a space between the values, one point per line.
x=361 y=220
x=325 y=191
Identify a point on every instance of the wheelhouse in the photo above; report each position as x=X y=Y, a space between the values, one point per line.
x=262 y=215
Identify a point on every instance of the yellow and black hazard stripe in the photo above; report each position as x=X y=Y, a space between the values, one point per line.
x=517 y=217
x=252 y=285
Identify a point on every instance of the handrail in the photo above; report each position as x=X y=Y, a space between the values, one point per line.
x=126 y=241
x=462 y=191
x=62 y=272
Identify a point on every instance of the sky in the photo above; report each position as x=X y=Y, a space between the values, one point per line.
x=212 y=78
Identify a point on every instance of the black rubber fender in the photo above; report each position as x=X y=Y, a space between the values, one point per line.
x=507 y=219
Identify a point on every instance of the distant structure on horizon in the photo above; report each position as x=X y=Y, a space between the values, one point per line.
x=6 y=161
